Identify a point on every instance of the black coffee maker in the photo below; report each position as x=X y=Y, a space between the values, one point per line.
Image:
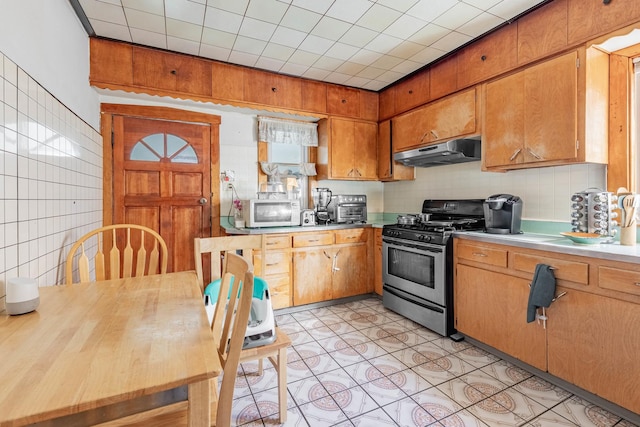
x=503 y=214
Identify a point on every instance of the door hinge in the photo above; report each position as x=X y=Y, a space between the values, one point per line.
x=577 y=62
x=577 y=144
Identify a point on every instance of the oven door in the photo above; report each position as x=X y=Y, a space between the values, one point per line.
x=415 y=268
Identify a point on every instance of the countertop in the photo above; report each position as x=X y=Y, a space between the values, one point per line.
x=295 y=229
x=554 y=243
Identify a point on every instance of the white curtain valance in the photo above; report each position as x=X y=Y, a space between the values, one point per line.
x=287 y=132
x=280 y=169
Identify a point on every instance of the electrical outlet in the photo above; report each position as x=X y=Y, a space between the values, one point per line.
x=229 y=186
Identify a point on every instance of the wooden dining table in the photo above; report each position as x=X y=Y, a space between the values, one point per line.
x=97 y=351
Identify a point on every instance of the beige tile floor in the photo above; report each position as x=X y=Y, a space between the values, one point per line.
x=359 y=364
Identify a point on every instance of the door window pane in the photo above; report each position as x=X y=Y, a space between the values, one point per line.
x=158 y=146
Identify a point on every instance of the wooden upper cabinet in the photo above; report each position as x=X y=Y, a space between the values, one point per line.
x=444 y=77
x=542 y=32
x=412 y=92
x=173 y=72
x=343 y=101
x=489 y=56
x=368 y=105
x=267 y=88
x=228 y=81
x=110 y=62
x=447 y=118
x=387 y=103
x=591 y=18
x=347 y=149
x=389 y=170
x=314 y=96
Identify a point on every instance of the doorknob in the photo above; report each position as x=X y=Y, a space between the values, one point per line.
x=203 y=201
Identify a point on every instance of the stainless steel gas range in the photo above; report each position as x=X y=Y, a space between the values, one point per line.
x=417 y=259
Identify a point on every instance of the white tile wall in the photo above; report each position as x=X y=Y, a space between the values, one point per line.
x=546 y=192
x=50 y=179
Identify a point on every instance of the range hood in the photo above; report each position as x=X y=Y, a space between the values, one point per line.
x=454 y=151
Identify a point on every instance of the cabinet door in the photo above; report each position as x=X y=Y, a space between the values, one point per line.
x=443 y=77
x=542 y=32
x=386 y=106
x=312 y=275
x=350 y=275
x=384 y=150
x=314 y=96
x=594 y=343
x=365 y=150
x=492 y=308
x=272 y=89
x=590 y=18
x=342 y=143
x=551 y=121
x=111 y=62
x=228 y=81
x=368 y=105
x=503 y=131
x=412 y=92
x=377 y=262
x=180 y=73
x=343 y=101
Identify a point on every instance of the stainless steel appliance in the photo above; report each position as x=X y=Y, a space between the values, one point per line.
x=307 y=218
x=417 y=258
x=345 y=208
x=503 y=214
x=591 y=212
x=444 y=153
x=321 y=199
x=271 y=212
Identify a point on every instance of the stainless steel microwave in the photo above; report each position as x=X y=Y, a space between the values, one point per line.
x=271 y=212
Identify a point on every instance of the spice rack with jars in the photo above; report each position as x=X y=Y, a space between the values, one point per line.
x=592 y=212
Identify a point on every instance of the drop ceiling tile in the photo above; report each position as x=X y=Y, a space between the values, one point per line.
x=149 y=38
x=184 y=30
x=277 y=51
x=301 y=57
x=218 y=38
x=318 y=6
x=150 y=6
x=235 y=6
x=285 y=1
x=110 y=30
x=365 y=57
x=375 y=85
x=256 y=29
x=480 y=24
x=350 y=68
x=242 y=58
x=378 y=17
x=406 y=50
x=337 y=78
x=288 y=37
x=145 y=21
x=326 y=63
x=428 y=10
x=508 y=9
x=458 y=15
x=182 y=45
x=451 y=41
x=185 y=10
x=482 y=4
x=300 y=19
x=358 y=36
x=249 y=45
x=330 y=28
x=104 y=12
x=383 y=43
x=407 y=67
x=399 y=5
x=349 y=10
x=215 y=52
x=222 y=20
x=315 y=44
x=316 y=73
x=341 y=51
x=269 y=64
x=405 y=26
x=429 y=35
x=386 y=62
x=427 y=55
x=293 y=69
x=266 y=10
x=389 y=76
x=357 y=81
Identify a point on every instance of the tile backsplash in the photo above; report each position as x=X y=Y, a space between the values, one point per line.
x=50 y=179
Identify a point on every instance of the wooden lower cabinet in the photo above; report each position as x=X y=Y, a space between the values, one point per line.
x=591 y=337
x=350 y=271
x=312 y=275
x=492 y=307
x=593 y=343
x=277 y=269
x=377 y=281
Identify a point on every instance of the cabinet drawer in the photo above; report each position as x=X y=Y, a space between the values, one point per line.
x=490 y=256
x=278 y=242
x=313 y=239
x=277 y=262
x=351 y=236
x=615 y=279
x=577 y=272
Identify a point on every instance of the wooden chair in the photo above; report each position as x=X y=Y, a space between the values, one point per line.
x=275 y=352
x=110 y=261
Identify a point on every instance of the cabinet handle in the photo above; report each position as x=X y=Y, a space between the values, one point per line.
x=271 y=243
x=174 y=72
x=344 y=101
x=557 y=297
x=313 y=240
x=534 y=154
x=410 y=92
x=274 y=89
x=435 y=134
x=515 y=154
x=326 y=254
x=637 y=283
x=272 y=264
x=479 y=254
x=422 y=139
x=353 y=237
x=483 y=58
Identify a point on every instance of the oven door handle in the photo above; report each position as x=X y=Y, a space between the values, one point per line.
x=398 y=293
x=426 y=247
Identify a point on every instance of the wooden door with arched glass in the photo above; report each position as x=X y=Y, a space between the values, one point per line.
x=163 y=166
